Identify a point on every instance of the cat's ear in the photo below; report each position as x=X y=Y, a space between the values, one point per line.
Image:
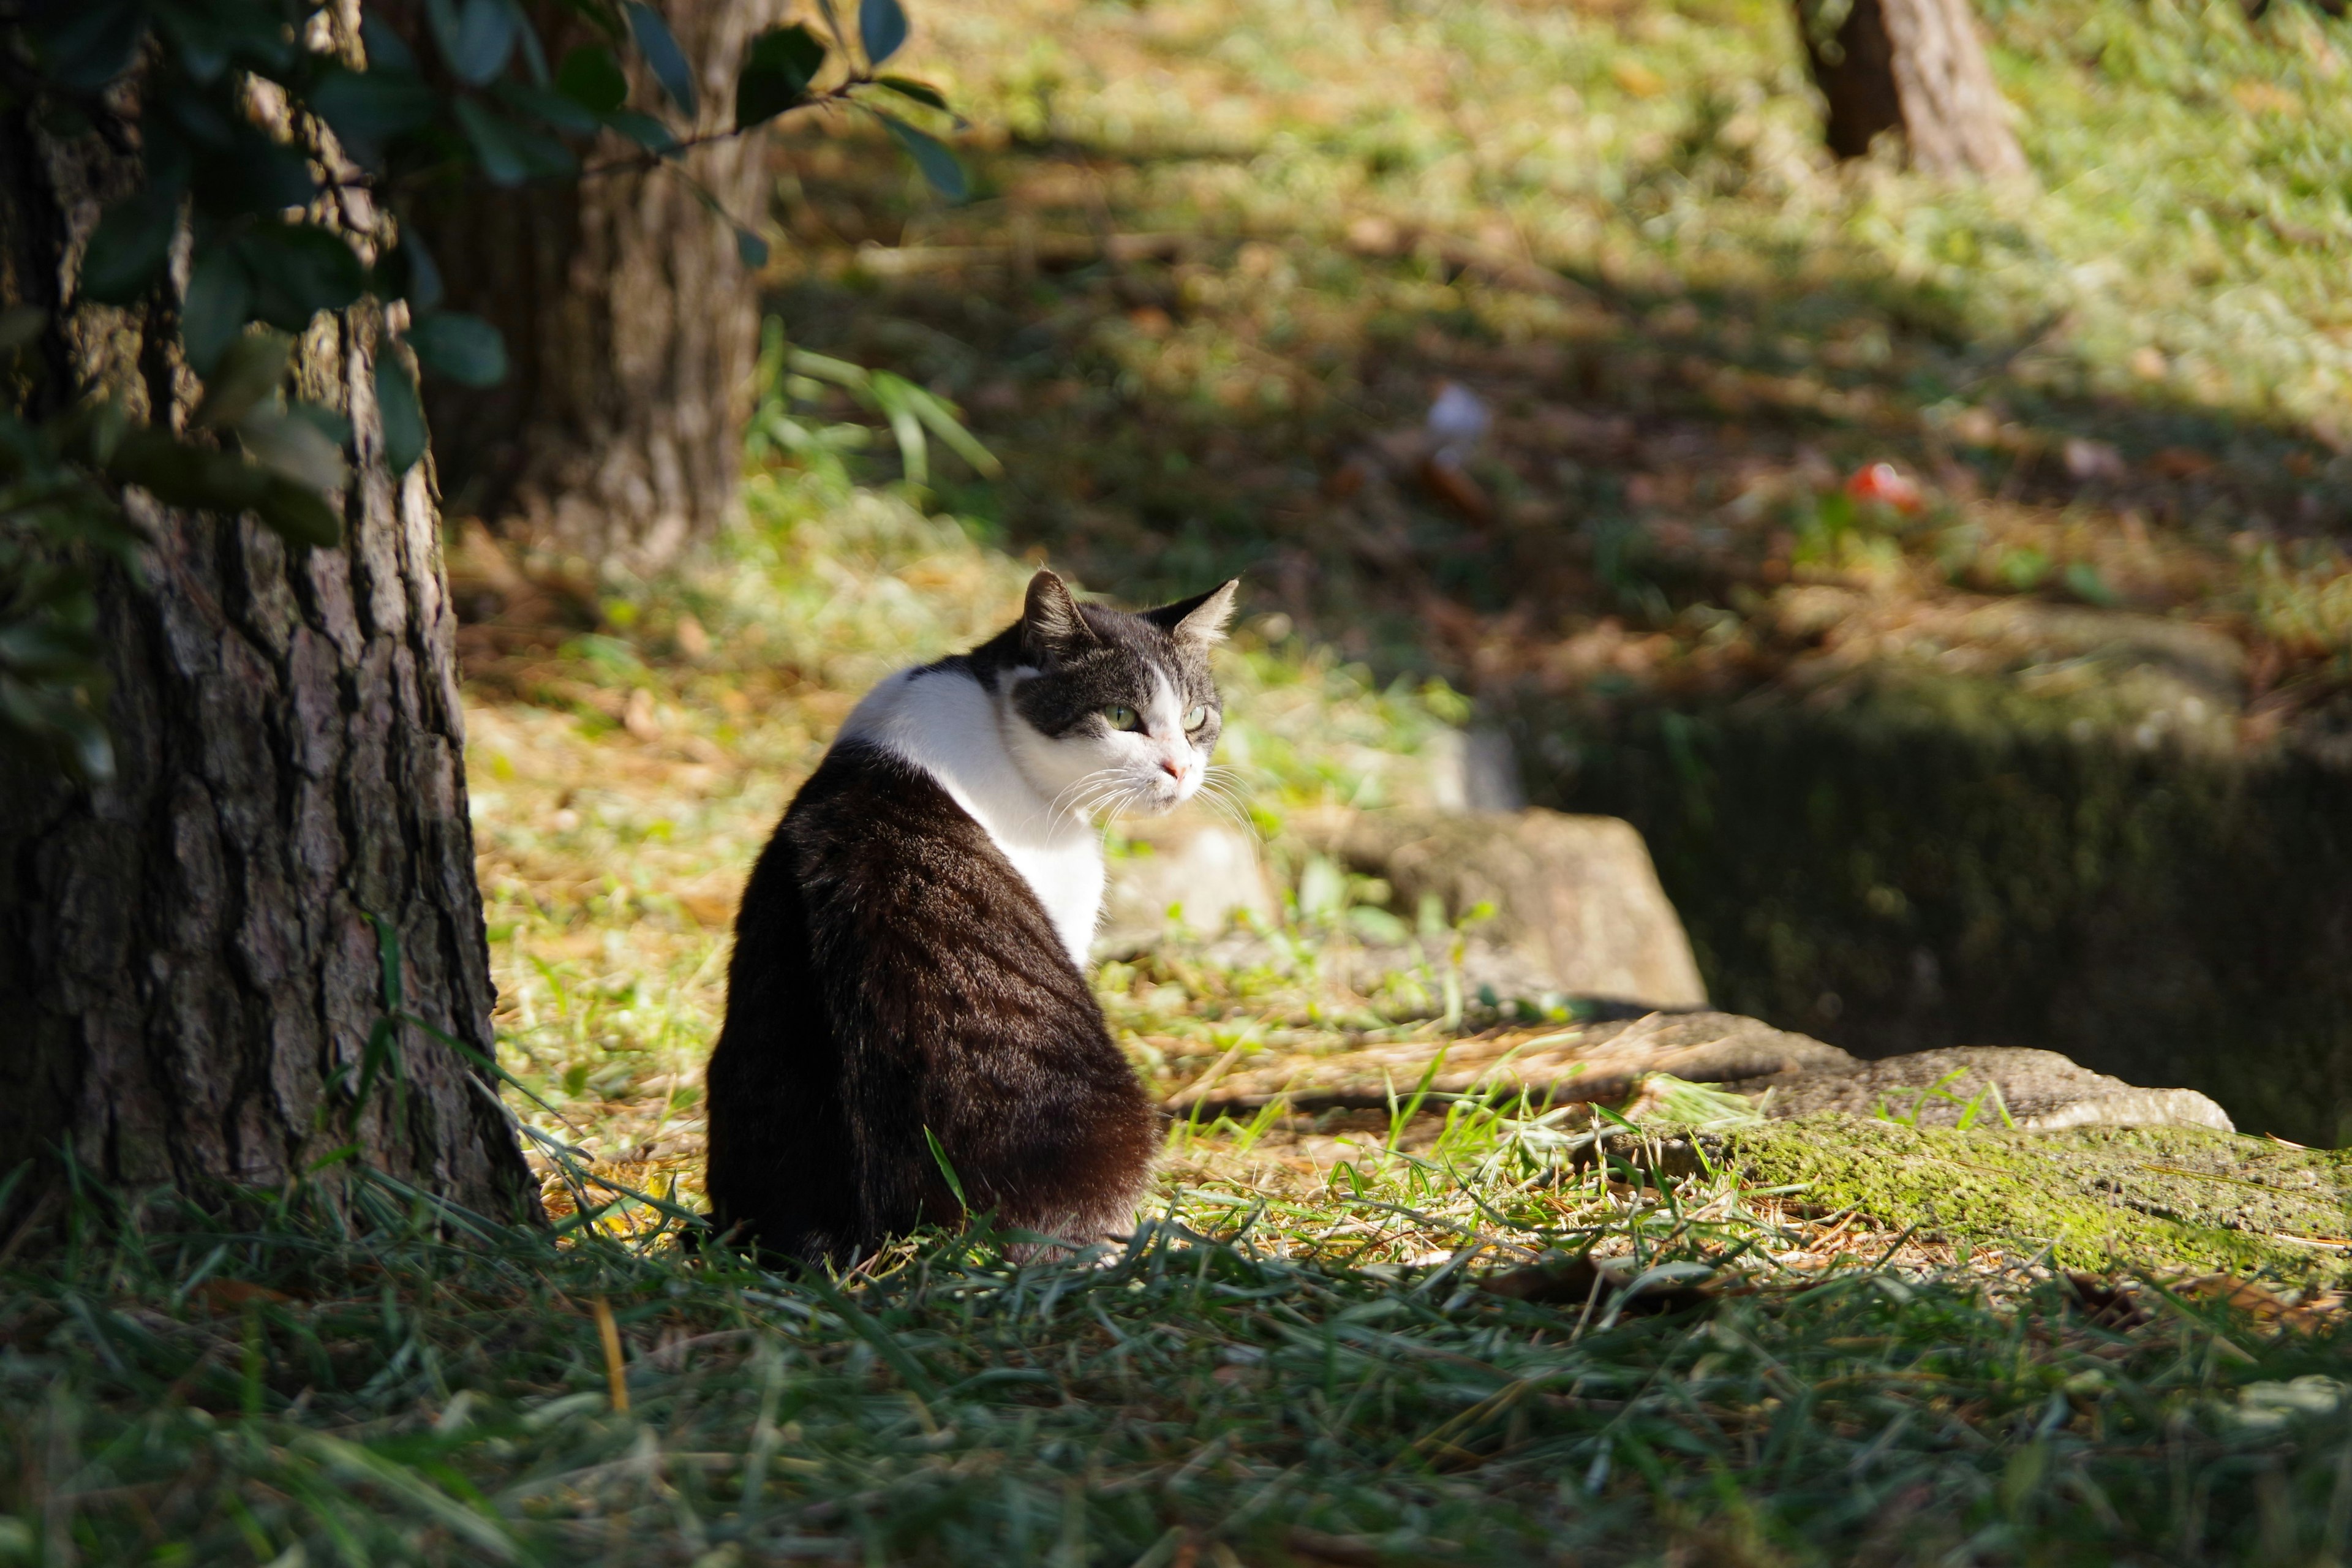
x=1200 y=620
x=1050 y=621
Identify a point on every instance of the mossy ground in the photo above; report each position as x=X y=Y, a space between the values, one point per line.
x=2159 y=1199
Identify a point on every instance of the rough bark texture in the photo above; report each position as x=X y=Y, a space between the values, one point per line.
x=186 y=961
x=633 y=325
x=1918 y=68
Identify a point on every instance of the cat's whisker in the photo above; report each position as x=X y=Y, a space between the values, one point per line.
x=1229 y=808
x=1223 y=785
x=1087 y=790
x=1082 y=782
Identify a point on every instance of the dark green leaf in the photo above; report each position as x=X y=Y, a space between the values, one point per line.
x=209 y=38
x=442 y=18
x=290 y=444
x=399 y=409
x=200 y=114
x=91 y=432
x=43 y=712
x=407 y=272
x=551 y=108
x=127 y=249
x=85 y=47
x=591 y=78
x=663 y=56
x=932 y=156
x=777 y=71
x=511 y=154
x=643 y=129
x=181 y=475
x=481 y=41
x=219 y=299
x=368 y=109
x=249 y=370
x=752 y=249
x=255 y=177
x=881 y=27
x=299 y=270
x=534 y=55
x=204 y=50
x=325 y=420
x=297 y=513
x=386 y=50
x=463 y=348
x=921 y=92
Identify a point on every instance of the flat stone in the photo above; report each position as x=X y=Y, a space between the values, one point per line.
x=1599 y=1061
x=2041 y=1091
x=1181 y=870
x=1575 y=898
x=1787 y=1074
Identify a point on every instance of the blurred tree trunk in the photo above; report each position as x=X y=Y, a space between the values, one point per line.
x=631 y=322
x=187 y=966
x=1916 y=66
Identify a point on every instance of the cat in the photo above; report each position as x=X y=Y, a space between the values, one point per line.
x=907 y=1007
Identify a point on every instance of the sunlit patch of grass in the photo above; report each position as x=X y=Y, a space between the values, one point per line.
x=1203 y=285
x=623 y=786
x=2302 y=598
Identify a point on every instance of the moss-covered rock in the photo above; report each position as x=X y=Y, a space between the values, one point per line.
x=2157 y=1198
x=1904 y=864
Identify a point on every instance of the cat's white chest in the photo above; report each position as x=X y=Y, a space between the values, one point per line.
x=945 y=724
x=1067 y=878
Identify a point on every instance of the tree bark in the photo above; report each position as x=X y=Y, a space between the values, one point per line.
x=188 y=972
x=1916 y=66
x=631 y=321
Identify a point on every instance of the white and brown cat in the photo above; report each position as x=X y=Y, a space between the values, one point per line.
x=908 y=987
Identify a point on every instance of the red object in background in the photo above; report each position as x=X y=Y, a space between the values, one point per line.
x=1884 y=483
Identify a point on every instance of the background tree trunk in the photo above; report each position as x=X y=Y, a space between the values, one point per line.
x=1916 y=66
x=631 y=321
x=186 y=962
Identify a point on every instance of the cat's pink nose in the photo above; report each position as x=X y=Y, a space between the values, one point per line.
x=1173 y=768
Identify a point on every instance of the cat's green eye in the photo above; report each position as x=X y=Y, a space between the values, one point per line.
x=1196 y=717
x=1122 y=717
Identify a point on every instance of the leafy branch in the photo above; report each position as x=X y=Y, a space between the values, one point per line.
x=270 y=149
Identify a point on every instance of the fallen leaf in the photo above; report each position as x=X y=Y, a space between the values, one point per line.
x=2181 y=463
x=1458 y=489
x=1637 y=79
x=236 y=1295
x=638 y=717
x=2109 y=1303
x=1574 y=1282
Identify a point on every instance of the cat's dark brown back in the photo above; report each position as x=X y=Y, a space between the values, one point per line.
x=893 y=975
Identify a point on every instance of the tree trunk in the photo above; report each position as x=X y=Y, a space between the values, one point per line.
x=188 y=971
x=1916 y=66
x=631 y=321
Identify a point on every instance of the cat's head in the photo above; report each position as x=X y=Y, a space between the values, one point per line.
x=1114 y=712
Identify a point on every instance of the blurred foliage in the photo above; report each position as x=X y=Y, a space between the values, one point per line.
x=250 y=131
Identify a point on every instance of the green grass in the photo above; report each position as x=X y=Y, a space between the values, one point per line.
x=368 y=1377
x=1222 y=247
